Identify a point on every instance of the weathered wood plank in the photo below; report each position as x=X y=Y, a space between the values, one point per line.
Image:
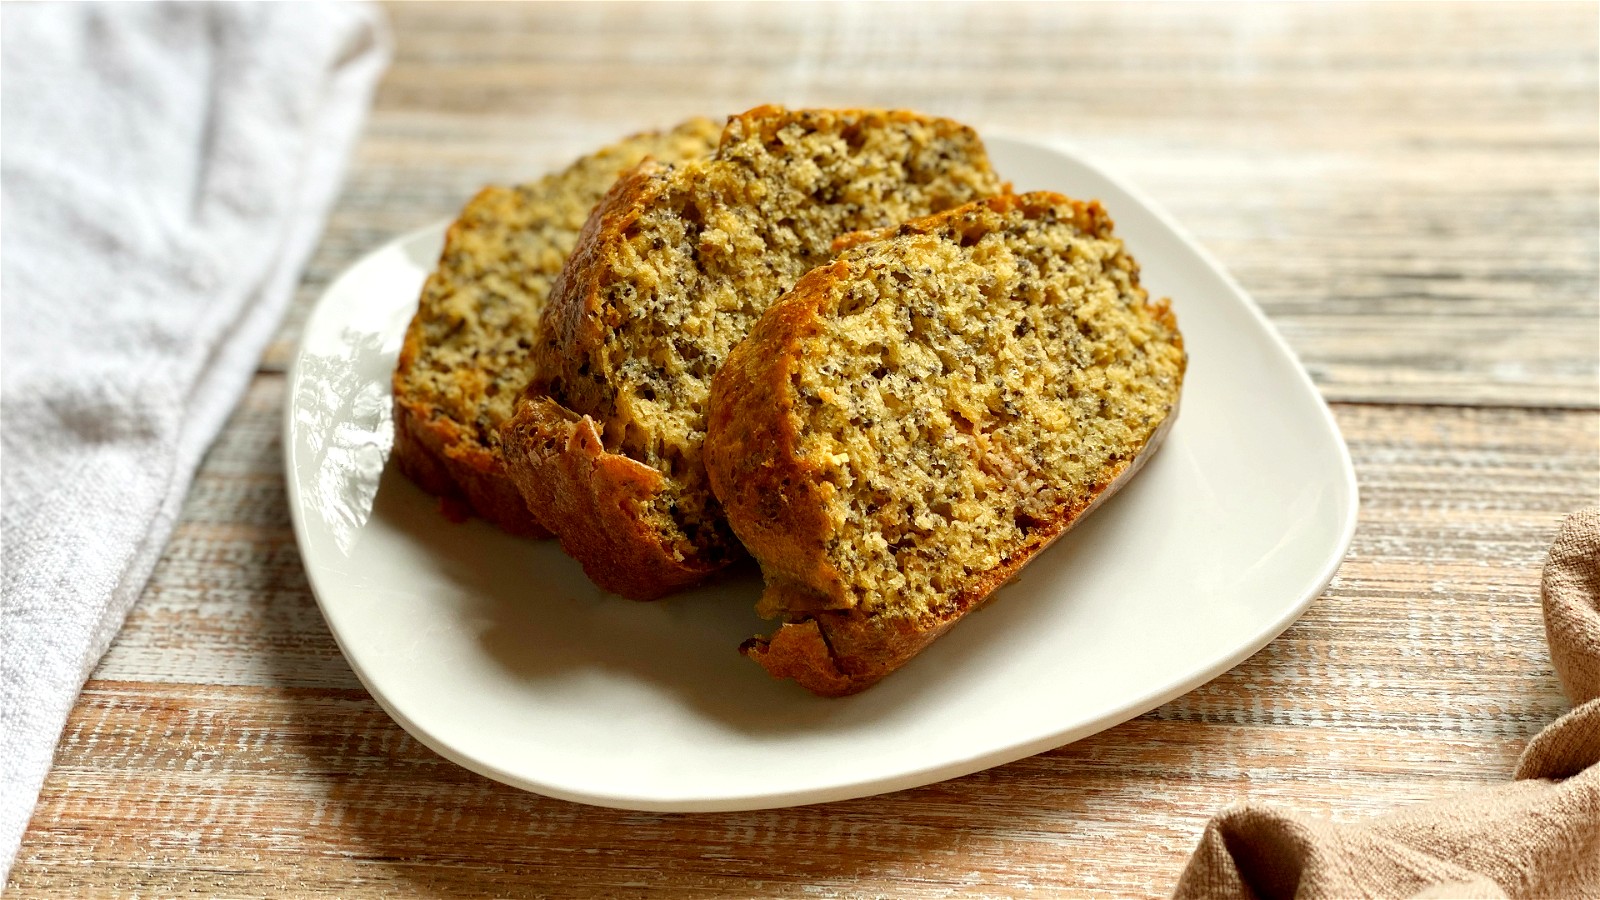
x=1409 y=191
x=260 y=791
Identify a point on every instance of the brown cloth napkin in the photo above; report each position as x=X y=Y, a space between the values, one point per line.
x=1538 y=836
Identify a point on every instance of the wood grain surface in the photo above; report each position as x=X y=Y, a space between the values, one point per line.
x=1410 y=192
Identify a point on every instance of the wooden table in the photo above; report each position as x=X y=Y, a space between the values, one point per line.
x=1409 y=192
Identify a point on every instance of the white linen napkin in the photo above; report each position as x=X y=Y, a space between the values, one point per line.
x=167 y=170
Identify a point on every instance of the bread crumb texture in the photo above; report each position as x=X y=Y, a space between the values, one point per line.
x=933 y=409
x=468 y=351
x=707 y=249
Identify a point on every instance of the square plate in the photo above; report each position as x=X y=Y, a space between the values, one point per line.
x=500 y=655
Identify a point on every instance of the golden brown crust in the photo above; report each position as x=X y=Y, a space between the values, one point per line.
x=434 y=451
x=563 y=470
x=467 y=350
x=430 y=454
x=624 y=545
x=772 y=495
x=588 y=497
x=575 y=321
x=837 y=653
x=751 y=448
x=769 y=492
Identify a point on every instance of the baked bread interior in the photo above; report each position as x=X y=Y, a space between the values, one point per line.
x=672 y=269
x=914 y=422
x=466 y=354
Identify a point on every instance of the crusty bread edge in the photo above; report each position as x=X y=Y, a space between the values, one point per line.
x=605 y=533
x=461 y=471
x=771 y=494
x=592 y=500
x=433 y=450
x=838 y=653
x=763 y=485
x=573 y=325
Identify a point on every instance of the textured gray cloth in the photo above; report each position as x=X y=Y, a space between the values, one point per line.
x=1536 y=836
x=167 y=170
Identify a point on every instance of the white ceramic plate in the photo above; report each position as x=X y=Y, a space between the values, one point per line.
x=500 y=655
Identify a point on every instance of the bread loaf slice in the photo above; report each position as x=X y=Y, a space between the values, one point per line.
x=672 y=269
x=913 y=423
x=466 y=354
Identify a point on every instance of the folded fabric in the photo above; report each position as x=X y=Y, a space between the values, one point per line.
x=167 y=170
x=1538 y=836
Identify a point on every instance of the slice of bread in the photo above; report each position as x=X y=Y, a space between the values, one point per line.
x=672 y=269
x=913 y=423
x=466 y=354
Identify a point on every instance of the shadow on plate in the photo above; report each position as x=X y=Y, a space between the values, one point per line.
x=541 y=619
